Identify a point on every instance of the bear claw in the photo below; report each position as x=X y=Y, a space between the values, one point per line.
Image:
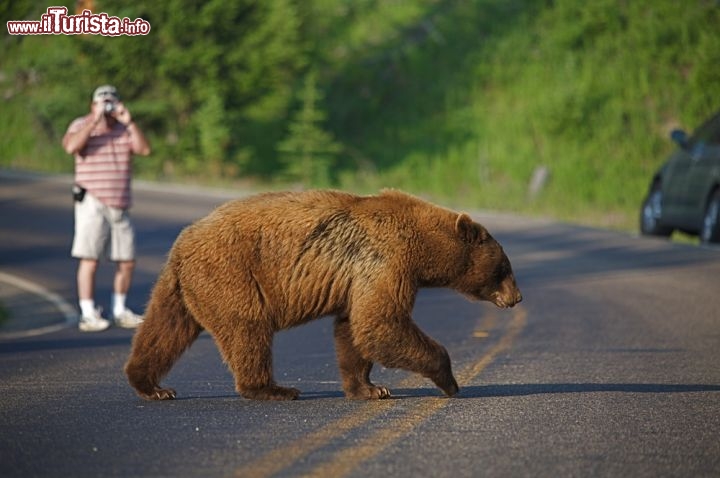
x=369 y=392
x=383 y=392
x=161 y=394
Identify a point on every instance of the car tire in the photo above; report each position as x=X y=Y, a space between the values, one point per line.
x=710 y=229
x=651 y=214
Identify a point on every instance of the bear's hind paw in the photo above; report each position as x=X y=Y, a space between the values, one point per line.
x=161 y=394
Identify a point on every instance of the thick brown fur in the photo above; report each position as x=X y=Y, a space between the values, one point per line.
x=273 y=261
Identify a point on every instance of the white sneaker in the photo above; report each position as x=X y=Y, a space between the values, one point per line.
x=128 y=319
x=93 y=323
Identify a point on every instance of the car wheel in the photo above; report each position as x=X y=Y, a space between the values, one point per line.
x=710 y=231
x=651 y=213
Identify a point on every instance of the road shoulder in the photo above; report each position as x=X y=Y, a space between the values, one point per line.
x=32 y=309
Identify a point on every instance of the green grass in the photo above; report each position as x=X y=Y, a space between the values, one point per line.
x=589 y=91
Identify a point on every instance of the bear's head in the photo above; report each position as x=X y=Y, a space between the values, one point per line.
x=487 y=273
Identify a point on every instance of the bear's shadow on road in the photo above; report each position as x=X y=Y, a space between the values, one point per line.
x=496 y=391
x=520 y=390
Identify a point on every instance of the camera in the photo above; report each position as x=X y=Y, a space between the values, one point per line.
x=78 y=192
x=109 y=107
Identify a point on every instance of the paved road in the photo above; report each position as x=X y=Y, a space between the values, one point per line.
x=611 y=367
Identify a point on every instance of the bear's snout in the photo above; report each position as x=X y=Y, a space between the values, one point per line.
x=508 y=294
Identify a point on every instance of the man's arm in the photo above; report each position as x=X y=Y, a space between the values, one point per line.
x=138 y=141
x=139 y=144
x=74 y=141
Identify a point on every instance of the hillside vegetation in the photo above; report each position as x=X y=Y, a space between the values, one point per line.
x=460 y=101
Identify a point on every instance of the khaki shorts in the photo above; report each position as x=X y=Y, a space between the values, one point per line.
x=102 y=230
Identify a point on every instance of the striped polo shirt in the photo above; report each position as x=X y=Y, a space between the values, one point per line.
x=104 y=165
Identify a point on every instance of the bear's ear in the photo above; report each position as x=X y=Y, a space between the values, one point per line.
x=468 y=230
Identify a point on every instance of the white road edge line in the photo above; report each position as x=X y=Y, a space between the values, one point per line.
x=71 y=316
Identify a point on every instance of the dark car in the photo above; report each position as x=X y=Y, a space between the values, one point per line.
x=684 y=194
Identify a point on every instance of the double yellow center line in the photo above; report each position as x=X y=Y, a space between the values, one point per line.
x=346 y=459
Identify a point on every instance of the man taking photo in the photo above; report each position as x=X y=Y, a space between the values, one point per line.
x=103 y=143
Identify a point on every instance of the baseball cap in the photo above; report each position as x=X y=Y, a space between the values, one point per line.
x=105 y=92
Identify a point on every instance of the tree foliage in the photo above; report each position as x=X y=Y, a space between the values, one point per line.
x=309 y=152
x=460 y=99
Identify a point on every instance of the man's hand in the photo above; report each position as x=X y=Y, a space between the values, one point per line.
x=122 y=114
x=97 y=110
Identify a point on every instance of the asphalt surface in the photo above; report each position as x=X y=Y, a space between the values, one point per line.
x=610 y=366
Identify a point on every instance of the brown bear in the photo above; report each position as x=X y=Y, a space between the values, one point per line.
x=258 y=265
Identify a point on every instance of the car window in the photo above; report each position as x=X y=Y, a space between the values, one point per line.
x=708 y=133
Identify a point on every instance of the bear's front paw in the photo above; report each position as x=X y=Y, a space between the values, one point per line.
x=368 y=392
x=446 y=382
x=444 y=378
x=449 y=386
x=272 y=392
